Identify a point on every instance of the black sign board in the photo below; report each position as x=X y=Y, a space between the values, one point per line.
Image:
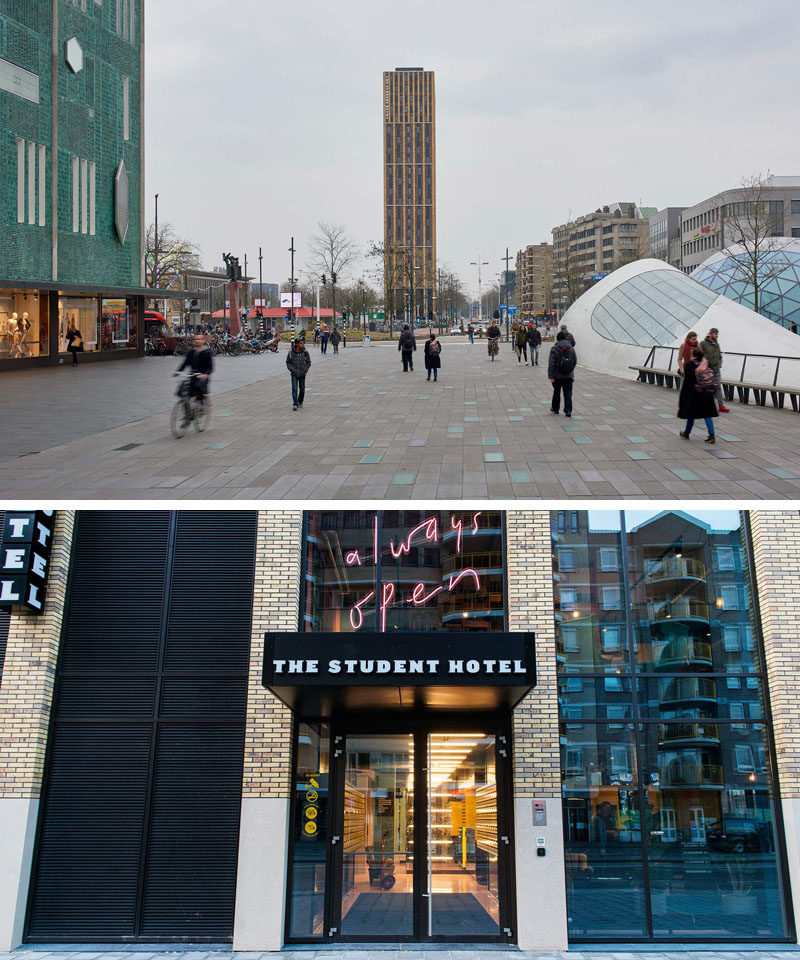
x=323 y=672
x=25 y=558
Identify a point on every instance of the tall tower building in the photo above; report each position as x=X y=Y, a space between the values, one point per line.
x=409 y=191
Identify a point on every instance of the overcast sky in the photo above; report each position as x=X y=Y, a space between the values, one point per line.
x=264 y=117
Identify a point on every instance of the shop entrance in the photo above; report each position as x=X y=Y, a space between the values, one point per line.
x=420 y=845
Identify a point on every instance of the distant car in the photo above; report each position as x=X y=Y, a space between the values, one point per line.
x=163 y=336
x=739 y=835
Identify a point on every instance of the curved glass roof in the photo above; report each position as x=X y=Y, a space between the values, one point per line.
x=779 y=293
x=652 y=309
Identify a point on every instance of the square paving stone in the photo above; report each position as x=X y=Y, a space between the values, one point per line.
x=526 y=409
x=723 y=455
x=571 y=426
x=683 y=474
x=404 y=478
x=730 y=438
x=638 y=439
x=417 y=443
x=638 y=455
x=371 y=458
x=587 y=394
x=516 y=418
x=455 y=429
x=471 y=419
x=581 y=440
x=227 y=413
x=783 y=473
x=424 y=397
x=491 y=442
x=665 y=416
x=470 y=403
x=608 y=409
x=363 y=443
x=220 y=446
x=493 y=458
x=348 y=404
x=521 y=476
x=578 y=416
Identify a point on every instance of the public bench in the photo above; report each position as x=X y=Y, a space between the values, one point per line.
x=732 y=389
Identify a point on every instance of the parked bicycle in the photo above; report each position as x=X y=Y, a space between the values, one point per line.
x=190 y=407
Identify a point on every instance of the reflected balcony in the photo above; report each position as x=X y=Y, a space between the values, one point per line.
x=684 y=609
x=675 y=568
x=684 y=652
x=686 y=690
x=679 y=773
x=677 y=734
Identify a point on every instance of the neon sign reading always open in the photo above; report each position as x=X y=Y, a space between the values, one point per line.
x=428 y=531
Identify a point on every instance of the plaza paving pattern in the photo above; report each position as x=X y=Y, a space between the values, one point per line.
x=410 y=951
x=370 y=431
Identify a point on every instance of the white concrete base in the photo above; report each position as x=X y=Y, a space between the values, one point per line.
x=18 y=819
x=261 y=874
x=791 y=825
x=541 y=881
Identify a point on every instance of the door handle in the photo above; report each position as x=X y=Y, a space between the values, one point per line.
x=425 y=894
x=334 y=839
x=505 y=840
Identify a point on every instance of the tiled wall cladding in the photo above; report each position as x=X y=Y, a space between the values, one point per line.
x=90 y=126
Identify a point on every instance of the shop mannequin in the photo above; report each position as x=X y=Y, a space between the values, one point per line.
x=24 y=325
x=14 y=336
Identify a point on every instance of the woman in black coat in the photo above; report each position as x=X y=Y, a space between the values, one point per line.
x=433 y=356
x=693 y=405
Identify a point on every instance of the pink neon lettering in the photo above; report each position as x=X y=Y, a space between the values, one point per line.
x=353 y=557
x=475 y=521
x=356 y=611
x=387 y=593
x=431 y=528
x=457 y=525
x=469 y=572
x=419 y=597
x=375 y=553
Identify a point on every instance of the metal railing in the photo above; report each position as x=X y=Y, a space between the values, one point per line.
x=671 y=732
x=674 y=568
x=677 y=610
x=761 y=368
x=677 y=774
x=687 y=688
x=685 y=650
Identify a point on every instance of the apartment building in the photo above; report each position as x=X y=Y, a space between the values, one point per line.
x=535 y=279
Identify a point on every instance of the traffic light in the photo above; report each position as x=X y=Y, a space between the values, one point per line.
x=344 y=316
x=496 y=315
x=323 y=279
x=333 y=277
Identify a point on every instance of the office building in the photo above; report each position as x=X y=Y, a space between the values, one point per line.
x=665 y=235
x=590 y=247
x=409 y=191
x=524 y=727
x=535 y=279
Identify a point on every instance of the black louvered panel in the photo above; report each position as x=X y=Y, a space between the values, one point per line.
x=212 y=591
x=91 y=828
x=190 y=880
x=116 y=592
x=5 y=619
x=108 y=697
x=206 y=697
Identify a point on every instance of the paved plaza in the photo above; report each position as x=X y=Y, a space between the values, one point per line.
x=370 y=431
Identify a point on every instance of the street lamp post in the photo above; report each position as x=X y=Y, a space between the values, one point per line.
x=507 y=258
x=479 y=263
x=291 y=289
x=155 y=246
x=260 y=284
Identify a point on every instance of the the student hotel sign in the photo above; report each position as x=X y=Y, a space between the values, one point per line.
x=25 y=559
x=443 y=669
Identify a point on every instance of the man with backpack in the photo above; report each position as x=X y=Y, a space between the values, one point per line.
x=561 y=371
x=407 y=344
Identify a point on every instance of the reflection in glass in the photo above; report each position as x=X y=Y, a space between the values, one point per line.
x=310 y=833
x=462 y=835
x=378 y=840
x=23 y=324
x=80 y=312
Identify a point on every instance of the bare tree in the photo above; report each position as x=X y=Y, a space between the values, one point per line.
x=750 y=222
x=638 y=250
x=167 y=256
x=332 y=251
x=387 y=271
x=450 y=292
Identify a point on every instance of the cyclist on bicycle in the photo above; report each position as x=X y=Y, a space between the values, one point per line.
x=200 y=361
x=493 y=337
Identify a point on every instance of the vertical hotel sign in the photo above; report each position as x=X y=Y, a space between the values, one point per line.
x=25 y=559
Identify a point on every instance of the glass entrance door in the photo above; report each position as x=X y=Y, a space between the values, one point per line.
x=418 y=849
x=462 y=847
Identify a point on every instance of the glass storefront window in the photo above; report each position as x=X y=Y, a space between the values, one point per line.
x=82 y=313
x=406 y=570
x=118 y=324
x=23 y=325
x=310 y=831
x=665 y=751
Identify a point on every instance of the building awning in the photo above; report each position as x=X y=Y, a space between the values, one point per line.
x=324 y=674
x=93 y=289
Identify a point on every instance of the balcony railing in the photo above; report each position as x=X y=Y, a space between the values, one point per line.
x=671 y=733
x=685 y=650
x=678 y=774
x=677 y=610
x=676 y=568
x=686 y=689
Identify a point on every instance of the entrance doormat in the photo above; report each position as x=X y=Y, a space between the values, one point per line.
x=387 y=914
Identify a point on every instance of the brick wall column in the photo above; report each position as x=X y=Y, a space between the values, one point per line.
x=536 y=748
x=776 y=548
x=266 y=785
x=26 y=695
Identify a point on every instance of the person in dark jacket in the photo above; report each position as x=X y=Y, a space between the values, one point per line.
x=201 y=363
x=521 y=344
x=335 y=339
x=567 y=334
x=298 y=361
x=693 y=405
x=713 y=353
x=561 y=371
x=74 y=342
x=433 y=356
x=534 y=342
x=407 y=344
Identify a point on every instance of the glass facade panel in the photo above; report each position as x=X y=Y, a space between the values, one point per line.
x=310 y=831
x=664 y=748
x=23 y=325
x=118 y=324
x=80 y=312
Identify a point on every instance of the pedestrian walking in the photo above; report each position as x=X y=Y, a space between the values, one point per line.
x=407 y=344
x=567 y=333
x=696 y=399
x=326 y=335
x=471 y=333
x=685 y=352
x=298 y=361
x=534 y=342
x=74 y=342
x=561 y=371
x=713 y=354
x=521 y=344
x=335 y=340
x=433 y=356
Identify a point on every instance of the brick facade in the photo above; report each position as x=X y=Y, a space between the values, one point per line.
x=276 y=598
x=776 y=537
x=29 y=672
x=537 y=762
